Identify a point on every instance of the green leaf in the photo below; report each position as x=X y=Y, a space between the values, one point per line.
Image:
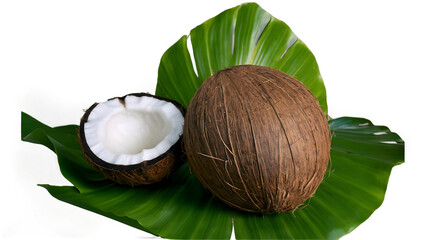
x=177 y=208
x=362 y=156
x=181 y=69
x=245 y=34
x=64 y=141
x=72 y=196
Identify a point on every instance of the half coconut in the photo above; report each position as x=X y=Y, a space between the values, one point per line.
x=135 y=139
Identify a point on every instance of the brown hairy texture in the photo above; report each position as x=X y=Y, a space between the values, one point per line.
x=146 y=172
x=257 y=139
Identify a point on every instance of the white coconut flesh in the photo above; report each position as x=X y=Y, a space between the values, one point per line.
x=136 y=130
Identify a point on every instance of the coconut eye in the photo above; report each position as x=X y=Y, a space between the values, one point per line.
x=257 y=139
x=133 y=140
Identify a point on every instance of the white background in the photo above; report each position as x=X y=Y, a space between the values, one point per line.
x=59 y=57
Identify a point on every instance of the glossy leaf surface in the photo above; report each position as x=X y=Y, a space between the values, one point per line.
x=245 y=34
x=362 y=157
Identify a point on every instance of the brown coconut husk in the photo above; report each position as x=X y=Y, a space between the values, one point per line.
x=257 y=138
x=146 y=172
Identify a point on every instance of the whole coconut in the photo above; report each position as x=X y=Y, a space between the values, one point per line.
x=257 y=139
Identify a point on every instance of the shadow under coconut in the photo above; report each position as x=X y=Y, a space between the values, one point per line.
x=184 y=184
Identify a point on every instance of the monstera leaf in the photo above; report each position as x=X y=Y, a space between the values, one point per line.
x=246 y=34
x=362 y=154
x=362 y=157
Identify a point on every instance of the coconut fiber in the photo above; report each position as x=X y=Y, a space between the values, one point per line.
x=257 y=139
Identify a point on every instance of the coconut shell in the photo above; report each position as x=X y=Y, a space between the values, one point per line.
x=146 y=172
x=257 y=139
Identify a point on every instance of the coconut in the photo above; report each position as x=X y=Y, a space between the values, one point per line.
x=257 y=139
x=135 y=139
